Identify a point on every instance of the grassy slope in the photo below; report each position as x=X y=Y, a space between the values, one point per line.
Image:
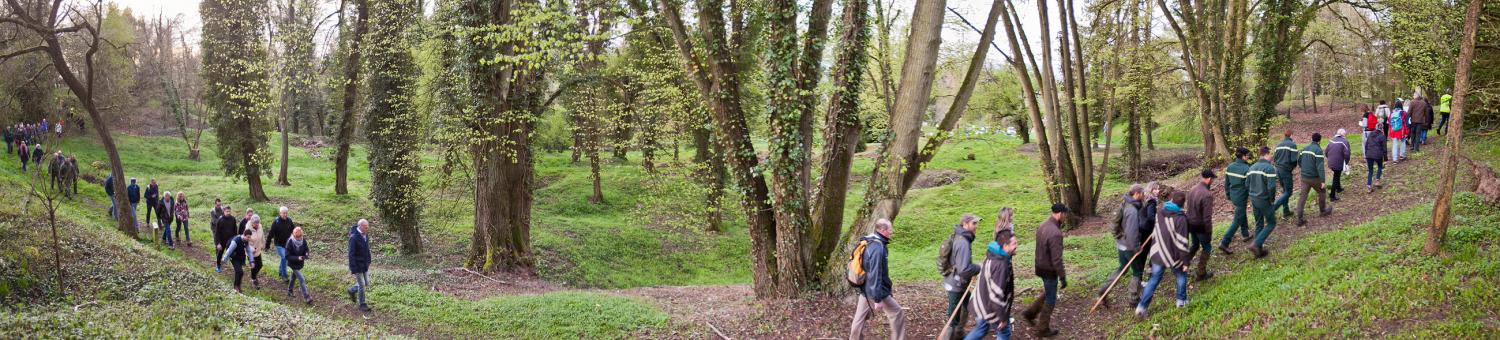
x=1368 y=280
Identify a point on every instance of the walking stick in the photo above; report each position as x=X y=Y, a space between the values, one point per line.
x=954 y=315
x=1118 y=276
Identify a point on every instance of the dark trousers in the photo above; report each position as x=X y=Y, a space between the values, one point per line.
x=1203 y=240
x=1284 y=177
x=182 y=229
x=1265 y=221
x=239 y=274
x=957 y=325
x=255 y=272
x=1443 y=124
x=1338 y=184
x=1136 y=267
x=1374 y=168
x=150 y=206
x=1240 y=223
x=219 y=255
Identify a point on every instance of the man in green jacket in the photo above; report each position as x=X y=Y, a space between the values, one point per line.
x=1286 y=161
x=1239 y=196
x=1445 y=108
x=1312 y=178
x=1261 y=182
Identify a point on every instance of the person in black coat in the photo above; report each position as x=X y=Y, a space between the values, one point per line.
x=109 y=190
x=359 y=262
x=237 y=252
x=296 y=256
x=133 y=194
x=281 y=230
x=152 y=198
x=224 y=230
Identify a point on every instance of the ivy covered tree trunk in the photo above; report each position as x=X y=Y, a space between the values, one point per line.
x=392 y=122
x=351 y=96
x=238 y=93
x=842 y=132
x=299 y=96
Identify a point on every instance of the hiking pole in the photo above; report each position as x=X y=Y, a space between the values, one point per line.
x=954 y=315
x=1118 y=276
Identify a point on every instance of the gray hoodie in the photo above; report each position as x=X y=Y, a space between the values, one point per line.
x=1128 y=225
x=962 y=260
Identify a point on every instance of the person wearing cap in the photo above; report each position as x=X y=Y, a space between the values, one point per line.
x=1169 y=250
x=1261 y=182
x=996 y=284
x=1199 y=209
x=960 y=269
x=1128 y=238
x=1338 y=162
x=1049 y=266
x=1235 y=181
x=1312 y=179
x=1286 y=160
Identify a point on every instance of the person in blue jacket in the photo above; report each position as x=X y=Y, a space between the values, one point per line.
x=359 y=263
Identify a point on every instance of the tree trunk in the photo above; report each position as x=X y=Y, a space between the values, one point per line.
x=1442 y=210
x=911 y=104
x=285 y=147
x=252 y=178
x=85 y=94
x=841 y=131
x=351 y=95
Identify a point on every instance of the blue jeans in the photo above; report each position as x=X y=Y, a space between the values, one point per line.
x=133 y=216
x=1375 y=168
x=112 y=206
x=295 y=279
x=1049 y=290
x=983 y=328
x=361 y=283
x=281 y=250
x=1156 y=273
x=166 y=234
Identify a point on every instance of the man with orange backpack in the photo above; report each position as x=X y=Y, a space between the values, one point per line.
x=868 y=275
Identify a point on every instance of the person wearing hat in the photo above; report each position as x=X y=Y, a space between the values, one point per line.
x=1338 y=162
x=959 y=269
x=1235 y=181
x=1261 y=182
x=1200 y=223
x=1312 y=178
x=1049 y=266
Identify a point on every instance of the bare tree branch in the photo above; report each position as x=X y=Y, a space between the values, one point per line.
x=976 y=30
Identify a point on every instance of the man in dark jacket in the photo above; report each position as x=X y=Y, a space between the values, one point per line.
x=1374 y=158
x=164 y=220
x=36 y=154
x=1421 y=120
x=1239 y=195
x=1338 y=162
x=1312 y=179
x=1128 y=240
x=359 y=263
x=996 y=285
x=133 y=194
x=1261 y=182
x=152 y=197
x=237 y=252
x=961 y=269
x=224 y=230
x=1200 y=223
x=9 y=138
x=1049 y=266
x=1169 y=250
x=281 y=230
x=876 y=293
x=109 y=190
x=1286 y=161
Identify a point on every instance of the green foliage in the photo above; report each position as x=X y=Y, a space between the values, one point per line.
x=115 y=63
x=237 y=91
x=301 y=99
x=391 y=123
x=550 y=315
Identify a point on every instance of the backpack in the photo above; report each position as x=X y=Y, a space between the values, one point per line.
x=856 y=273
x=945 y=256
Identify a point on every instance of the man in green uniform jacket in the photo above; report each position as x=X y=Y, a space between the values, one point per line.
x=1261 y=182
x=1239 y=196
x=1312 y=178
x=1285 y=160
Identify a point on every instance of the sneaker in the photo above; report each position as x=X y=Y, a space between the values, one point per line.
x=1182 y=303
x=1140 y=312
x=365 y=308
x=218 y=269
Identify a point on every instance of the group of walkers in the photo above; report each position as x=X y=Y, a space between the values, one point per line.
x=1406 y=124
x=25 y=140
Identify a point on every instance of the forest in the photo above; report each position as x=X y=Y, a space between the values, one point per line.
x=709 y=168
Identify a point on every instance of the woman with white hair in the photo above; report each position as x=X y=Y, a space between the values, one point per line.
x=1337 y=156
x=257 y=242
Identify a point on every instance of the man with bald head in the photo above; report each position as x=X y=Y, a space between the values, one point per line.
x=875 y=293
x=359 y=262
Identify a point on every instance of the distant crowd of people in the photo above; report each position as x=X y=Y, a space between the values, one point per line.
x=25 y=140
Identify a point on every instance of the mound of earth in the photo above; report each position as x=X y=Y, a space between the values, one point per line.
x=932 y=178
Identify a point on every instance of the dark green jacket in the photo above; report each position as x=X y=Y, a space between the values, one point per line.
x=1262 y=181
x=1312 y=161
x=1285 y=155
x=1235 y=181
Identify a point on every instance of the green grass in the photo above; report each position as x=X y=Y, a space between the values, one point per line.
x=1369 y=280
x=579 y=315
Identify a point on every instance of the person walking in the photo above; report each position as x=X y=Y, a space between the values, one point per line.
x=1261 y=182
x=1236 y=189
x=1421 y=120
x=1286 y=161
x=1049 y=266
x=996 y=283
x=296 y=255
x=180 y=211
x=1445 y=107
x=224 y=231
x=1398 y=135
x=359 y=263
x=958 y=270
x=1199 y=209
x=217 y=212
x=25 y=155
x=1374 y=159
x=164 y=219
x=9 y=138
x=152 y=197
x=246 y=221
x=281 y=230
x=1128 y=239
x=1169 y=250
x=36 y=155
x=1338 y=154
x=875 y=293
x=133 y=194
x=237 y=252
x=109 y=190
x=257 y=241
x=1312 y=160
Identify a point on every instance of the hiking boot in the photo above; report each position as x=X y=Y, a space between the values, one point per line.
x=1201 y=270
x=352 y=298
x=1225 y=251
x=1326 y=212
x=307 y=301
x=1104 y=299
x=1044 y=323
x=1301 y=222
x=1029 y=315
x=365 y=308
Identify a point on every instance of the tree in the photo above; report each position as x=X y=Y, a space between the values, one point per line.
x=1443 y=208
x=351 y=94
x=1278 y=45
x=238 y=90
x=395 y=164
x=299 y=95
x=1211 y=36
x=842 y=129
x=43 y=22
x=48 y=196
